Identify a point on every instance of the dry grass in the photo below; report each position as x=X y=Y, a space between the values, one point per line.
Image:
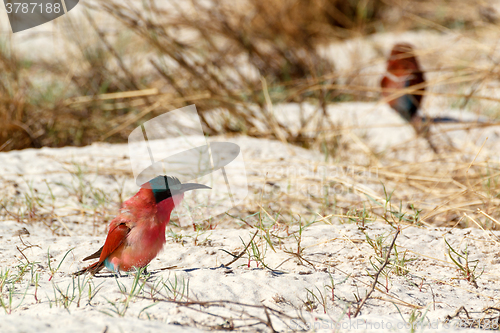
x=217 y=56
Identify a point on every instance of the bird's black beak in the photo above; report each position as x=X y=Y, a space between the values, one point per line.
x=192 y=186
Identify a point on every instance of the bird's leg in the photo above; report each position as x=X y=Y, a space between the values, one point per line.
x=117 y=273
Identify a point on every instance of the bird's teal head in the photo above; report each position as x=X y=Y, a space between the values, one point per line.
x=164 y=187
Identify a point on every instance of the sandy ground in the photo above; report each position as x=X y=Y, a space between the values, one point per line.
x=300 y=278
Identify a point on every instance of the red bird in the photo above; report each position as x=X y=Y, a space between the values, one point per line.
x=137 y=234
x=403 y=71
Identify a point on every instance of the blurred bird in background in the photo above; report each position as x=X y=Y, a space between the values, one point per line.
x=137 y=234
x=403 y=72
x=403 y=87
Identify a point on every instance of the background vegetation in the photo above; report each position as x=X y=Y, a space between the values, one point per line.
x=217 y=55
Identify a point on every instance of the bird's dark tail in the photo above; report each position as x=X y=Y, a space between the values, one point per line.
x=95 y=255
x=92 y=269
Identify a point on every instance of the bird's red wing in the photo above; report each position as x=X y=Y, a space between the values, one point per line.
x=115 y=238
x=116 y=235
x=119 y=222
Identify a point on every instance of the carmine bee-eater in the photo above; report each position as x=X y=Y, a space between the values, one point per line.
x=403 y=71
x=137 y=234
